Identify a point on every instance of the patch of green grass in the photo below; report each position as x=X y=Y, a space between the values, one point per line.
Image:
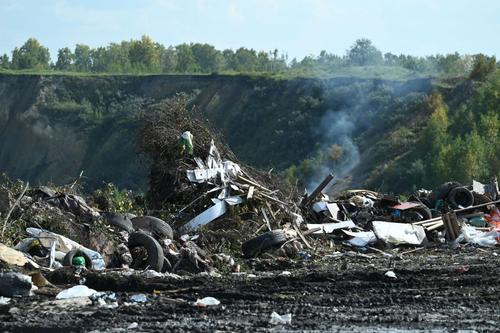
x=364 y=72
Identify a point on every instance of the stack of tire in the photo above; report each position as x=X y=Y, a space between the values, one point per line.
x=144 y=231
x=149 y=229
x=454 y=194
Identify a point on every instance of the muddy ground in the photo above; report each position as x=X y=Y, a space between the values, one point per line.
x=436 y=290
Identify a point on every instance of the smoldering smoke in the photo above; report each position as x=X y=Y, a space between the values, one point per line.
x=336 y=128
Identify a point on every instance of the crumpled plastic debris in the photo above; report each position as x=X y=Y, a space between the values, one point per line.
x=361 y=201
x=362 y=238
x=76 y=291
x=391 y=274
x=186 y=142
x=277 y=319
x=206 y=301
x=476 y=237
x=132 y=326
x=65 y=245
x=104 y=299
x=4 y=300
x=138 y=298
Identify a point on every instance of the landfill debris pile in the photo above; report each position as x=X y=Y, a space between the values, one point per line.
x=212 y=215
x=266 y=223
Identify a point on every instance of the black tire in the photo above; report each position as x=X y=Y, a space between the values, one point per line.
x=68 y=258
x=424 y=211
x=120 y=221
x=441 y=192
x=266 y=241
x=426 y=202
x=480 y=199
x=153 y=248
x=460 y=197
x=159 y=228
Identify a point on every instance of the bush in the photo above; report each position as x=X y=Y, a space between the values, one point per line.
x=483 y=66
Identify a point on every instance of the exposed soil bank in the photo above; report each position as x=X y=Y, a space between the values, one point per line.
x=53 y=127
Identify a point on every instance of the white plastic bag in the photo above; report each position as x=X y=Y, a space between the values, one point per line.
x=277 y=319
x=206 y=301
x=76 y=291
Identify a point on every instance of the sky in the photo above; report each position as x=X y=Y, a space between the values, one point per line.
x=294 y=27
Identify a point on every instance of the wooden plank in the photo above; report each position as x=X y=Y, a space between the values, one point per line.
x=248 y=181
x=310 y=231
x=455 y=225
x=318 y=189
x=250 y=192
x=477 y=206
x=273 y=199
x=270 y=210
x=434 y=226
x=426 y=221
x=266 y=219
x=450 y=230
x=301 y=236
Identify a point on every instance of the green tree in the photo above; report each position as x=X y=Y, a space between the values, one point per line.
x=4 y=61
x=229 y=59
x=144 y=55
x=31 y=55
x=435 y=141
x=363 y=53
x=207 y=57
x=468 y=158
x=264 y=63
x=83 y=59
x=117 y=58
x=65 y=59
x=483 y=66
x=489 y=128
x=391 y=59
x=245 y=60
x=185 y=59
x=168 y=58
x=99 y=61
x=453 y=64
x=464 y=121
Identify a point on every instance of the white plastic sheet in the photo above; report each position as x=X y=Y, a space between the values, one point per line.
x=399 y=233
x=207 y=216
x=328 y=228
x=277 y=319
x=361 y=239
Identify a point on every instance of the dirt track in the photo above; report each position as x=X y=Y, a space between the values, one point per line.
x=437 y=290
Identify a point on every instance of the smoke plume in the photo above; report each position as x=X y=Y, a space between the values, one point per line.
x=335 y=131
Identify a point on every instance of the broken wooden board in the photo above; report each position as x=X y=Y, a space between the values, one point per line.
x=251 y=189
x=11 y=256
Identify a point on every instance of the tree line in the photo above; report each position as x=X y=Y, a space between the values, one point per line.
x=146 y=56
